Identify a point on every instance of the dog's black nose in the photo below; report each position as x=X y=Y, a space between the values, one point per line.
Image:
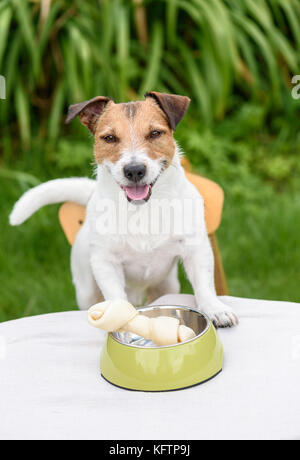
x=135 y=171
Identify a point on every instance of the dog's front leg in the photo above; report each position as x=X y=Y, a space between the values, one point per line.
x=199 y=266
x=109 y=276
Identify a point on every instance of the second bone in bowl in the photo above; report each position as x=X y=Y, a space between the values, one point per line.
x=121 y=316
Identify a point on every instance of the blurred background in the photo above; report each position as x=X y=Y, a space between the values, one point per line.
x=234 y=58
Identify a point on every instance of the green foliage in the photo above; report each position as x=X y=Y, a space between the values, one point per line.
x=35 y=273
x=71 y=51
x=72 y=155
x=238 y=153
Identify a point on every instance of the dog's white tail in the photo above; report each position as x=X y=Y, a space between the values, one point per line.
x=78 y=190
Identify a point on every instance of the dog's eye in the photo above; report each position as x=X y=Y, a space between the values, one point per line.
x=110 y=138
x=155 y=133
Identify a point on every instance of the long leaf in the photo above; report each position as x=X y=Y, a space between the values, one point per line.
x=171 y=21
x=151 y=75
x=122 y=45
x=56 y=112
x=19 y=176
x=23 y=115
x=255 y=33
x=198 y=85
x=5 y=20
x=26 y=26
x=293 y=17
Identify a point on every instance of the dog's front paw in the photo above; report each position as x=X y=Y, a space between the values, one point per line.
x=222 y=316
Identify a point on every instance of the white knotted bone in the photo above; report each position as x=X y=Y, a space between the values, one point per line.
x=111 y=315
x=120 y=315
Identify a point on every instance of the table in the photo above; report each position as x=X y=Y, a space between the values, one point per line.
x=51 y=386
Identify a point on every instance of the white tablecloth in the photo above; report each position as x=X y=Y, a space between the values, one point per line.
x=51 y=387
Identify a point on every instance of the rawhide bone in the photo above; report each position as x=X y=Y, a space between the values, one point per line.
x=121 y=316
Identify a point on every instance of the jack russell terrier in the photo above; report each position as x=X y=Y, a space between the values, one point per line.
x=138 y=165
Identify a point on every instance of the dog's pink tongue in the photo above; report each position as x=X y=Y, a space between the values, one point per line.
x=137 y=192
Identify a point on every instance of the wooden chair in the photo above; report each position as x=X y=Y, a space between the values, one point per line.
x=72 y=215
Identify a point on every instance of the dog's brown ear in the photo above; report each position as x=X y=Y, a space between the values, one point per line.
x=172 y=105
x=88 y=111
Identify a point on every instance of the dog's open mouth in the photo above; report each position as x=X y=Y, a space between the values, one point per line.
x=138 y=193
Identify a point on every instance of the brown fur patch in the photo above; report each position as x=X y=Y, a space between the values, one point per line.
x=132 y=123
x=130 y=109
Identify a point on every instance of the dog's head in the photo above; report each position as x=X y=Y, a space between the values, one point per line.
x=133 y=140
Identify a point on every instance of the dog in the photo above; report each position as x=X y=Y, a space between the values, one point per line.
x=137 y=165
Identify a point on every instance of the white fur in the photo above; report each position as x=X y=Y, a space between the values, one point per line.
x=54 y=191
x=153 y=167
x=131 y=266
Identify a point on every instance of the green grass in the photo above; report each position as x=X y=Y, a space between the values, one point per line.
x=35 y=271
x=260 y=247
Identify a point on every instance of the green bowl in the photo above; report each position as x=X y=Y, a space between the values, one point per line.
x=131 y=362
